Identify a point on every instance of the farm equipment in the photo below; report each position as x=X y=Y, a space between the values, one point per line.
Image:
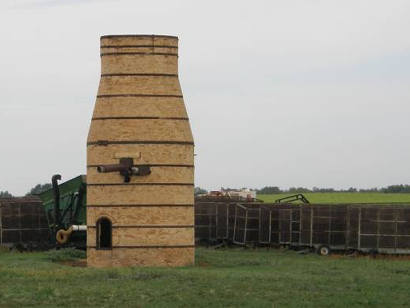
x=65 y=208
x=23 y=223
x=367 y=228
x=292 y=198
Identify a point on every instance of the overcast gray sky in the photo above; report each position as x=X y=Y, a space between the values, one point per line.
x=282 y=93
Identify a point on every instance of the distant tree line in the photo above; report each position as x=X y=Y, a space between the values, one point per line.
x=39 y=188
x=5 y=194
x=397 y=189
x=199 y=191
x=267 y=190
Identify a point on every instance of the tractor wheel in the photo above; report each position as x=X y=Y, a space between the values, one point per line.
x=324 y=250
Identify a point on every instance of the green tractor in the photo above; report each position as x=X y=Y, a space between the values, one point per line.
x=65 y=208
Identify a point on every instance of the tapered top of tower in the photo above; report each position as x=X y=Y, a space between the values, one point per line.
x=139 y=44
x=137 y=36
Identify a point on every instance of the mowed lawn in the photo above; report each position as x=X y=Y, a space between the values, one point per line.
x=221 y=278
x=345 y=197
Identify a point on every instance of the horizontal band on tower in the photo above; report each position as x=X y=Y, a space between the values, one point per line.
x=140 y=205
x=149 y=226
x=138 y=46
x=138 y=95
x=141 y=184
x=155 y=165
x=106 y=142
x=144 y=74
x=137 y=35
x=139 y=53
x=149 y=246
x=141 y=118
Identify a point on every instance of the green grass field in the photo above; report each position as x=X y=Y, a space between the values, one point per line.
x=221 y=278
x=345 y=197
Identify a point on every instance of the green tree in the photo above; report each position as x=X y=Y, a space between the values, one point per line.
x=39 y=188
x=5 y=194
x=200 y=191
x=267 y=190
x=397 y=189
x=298 y=190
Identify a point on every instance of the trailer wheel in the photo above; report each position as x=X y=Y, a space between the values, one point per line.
x=324 y=250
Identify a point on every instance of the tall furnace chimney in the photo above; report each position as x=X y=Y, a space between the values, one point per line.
x=140 y=160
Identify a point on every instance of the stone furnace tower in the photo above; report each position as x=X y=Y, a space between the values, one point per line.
x=140 y=160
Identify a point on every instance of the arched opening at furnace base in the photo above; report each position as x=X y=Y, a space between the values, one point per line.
x=104 y=233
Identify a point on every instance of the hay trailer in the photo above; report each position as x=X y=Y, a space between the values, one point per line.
x=23 y=224
x=369 y=228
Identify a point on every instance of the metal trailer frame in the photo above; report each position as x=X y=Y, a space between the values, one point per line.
x=246 y=224
x=363 y=227
x=23 y=222
x=212 y=218
x=366 y=228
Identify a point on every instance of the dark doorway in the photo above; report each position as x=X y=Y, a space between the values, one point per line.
x=104 y=233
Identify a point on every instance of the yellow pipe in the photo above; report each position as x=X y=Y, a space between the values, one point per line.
x=62 y=235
